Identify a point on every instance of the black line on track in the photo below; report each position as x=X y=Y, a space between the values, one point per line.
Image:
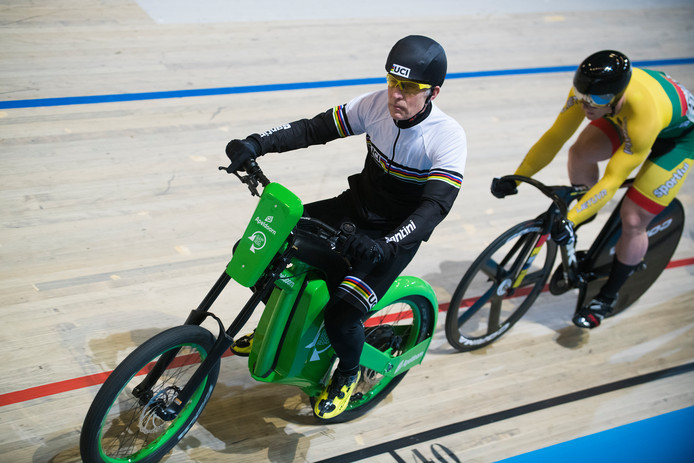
x=454 y=428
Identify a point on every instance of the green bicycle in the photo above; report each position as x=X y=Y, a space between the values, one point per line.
x=154 y=396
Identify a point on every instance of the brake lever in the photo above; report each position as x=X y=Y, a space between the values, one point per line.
x=250 y=181
x=252 y=184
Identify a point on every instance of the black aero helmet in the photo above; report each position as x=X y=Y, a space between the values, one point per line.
x=418 y=58
x=602 y=78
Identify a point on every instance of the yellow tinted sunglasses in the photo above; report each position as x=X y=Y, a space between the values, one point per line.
x=407 y=86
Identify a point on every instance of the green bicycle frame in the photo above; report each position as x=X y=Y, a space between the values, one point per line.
x=290 y=345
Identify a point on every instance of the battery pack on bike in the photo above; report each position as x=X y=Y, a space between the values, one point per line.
x=276 y=215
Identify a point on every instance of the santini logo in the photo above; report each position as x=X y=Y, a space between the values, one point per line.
x=402 y=233
x=275 y=129
x=400 y=70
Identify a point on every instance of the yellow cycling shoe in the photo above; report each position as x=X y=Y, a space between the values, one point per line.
x=242 y=346
x=335 y=397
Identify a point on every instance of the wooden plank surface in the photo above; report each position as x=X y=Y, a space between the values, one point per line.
x=114 y=223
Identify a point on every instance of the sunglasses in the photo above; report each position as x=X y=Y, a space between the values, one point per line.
x=407 y=86
x=596 y=101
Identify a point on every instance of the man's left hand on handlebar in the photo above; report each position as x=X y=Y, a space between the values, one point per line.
x=240 y=151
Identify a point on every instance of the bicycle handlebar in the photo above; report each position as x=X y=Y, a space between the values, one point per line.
x=318 y=229
x=560 y=195
x=321 y=229
x=337 y=239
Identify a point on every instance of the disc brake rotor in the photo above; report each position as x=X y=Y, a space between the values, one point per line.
x=150 y=421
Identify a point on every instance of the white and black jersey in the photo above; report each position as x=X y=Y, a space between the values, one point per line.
x=413 y=169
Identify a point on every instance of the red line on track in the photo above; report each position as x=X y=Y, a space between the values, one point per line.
x=68 y=385
x=680 y=263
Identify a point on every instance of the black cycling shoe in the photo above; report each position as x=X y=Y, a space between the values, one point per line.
x=592 y=315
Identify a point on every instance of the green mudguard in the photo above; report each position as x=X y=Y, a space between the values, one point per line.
x=277 y=213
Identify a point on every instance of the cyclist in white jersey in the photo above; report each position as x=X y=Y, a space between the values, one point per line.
x=411 y=176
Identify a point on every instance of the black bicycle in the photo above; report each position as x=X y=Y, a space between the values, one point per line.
x=504 y=281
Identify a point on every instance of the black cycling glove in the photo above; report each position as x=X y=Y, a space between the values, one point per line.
x=240 y=151
x=365 y=248
x=502 y=187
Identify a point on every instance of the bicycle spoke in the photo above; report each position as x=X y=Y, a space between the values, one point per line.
x=494 y=314
x=477 y=305
x=490 y=268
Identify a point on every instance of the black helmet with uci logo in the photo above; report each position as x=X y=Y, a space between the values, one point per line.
x=419 y=59
x=602 y=78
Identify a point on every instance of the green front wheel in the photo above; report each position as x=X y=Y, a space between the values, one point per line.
x=125 y=424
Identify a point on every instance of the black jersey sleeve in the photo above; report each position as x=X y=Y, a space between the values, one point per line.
x=318 y=130
x=437 y=200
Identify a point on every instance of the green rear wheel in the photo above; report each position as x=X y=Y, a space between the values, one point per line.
x=399 y=326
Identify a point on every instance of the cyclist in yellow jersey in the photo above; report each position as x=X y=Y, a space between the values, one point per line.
x=637 y=117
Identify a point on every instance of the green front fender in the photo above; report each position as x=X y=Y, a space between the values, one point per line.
x=383 y=362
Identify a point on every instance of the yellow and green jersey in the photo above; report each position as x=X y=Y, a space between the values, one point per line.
x=656 y=107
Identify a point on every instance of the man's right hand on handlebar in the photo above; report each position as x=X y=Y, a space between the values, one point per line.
x=240 y=151
x=502 y=187
x=364 y=248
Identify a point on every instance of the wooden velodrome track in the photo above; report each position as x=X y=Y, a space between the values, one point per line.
x=114 y=221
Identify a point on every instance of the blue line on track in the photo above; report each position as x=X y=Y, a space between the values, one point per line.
x=77 y=100
x=664 y=438
x=431 y=436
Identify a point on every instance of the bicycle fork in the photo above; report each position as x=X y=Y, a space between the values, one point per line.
x=223 y=342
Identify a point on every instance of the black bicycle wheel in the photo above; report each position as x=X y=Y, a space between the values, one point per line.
x=399 y=326
x=120 y=427
x=500 y=286
x=664 y=234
